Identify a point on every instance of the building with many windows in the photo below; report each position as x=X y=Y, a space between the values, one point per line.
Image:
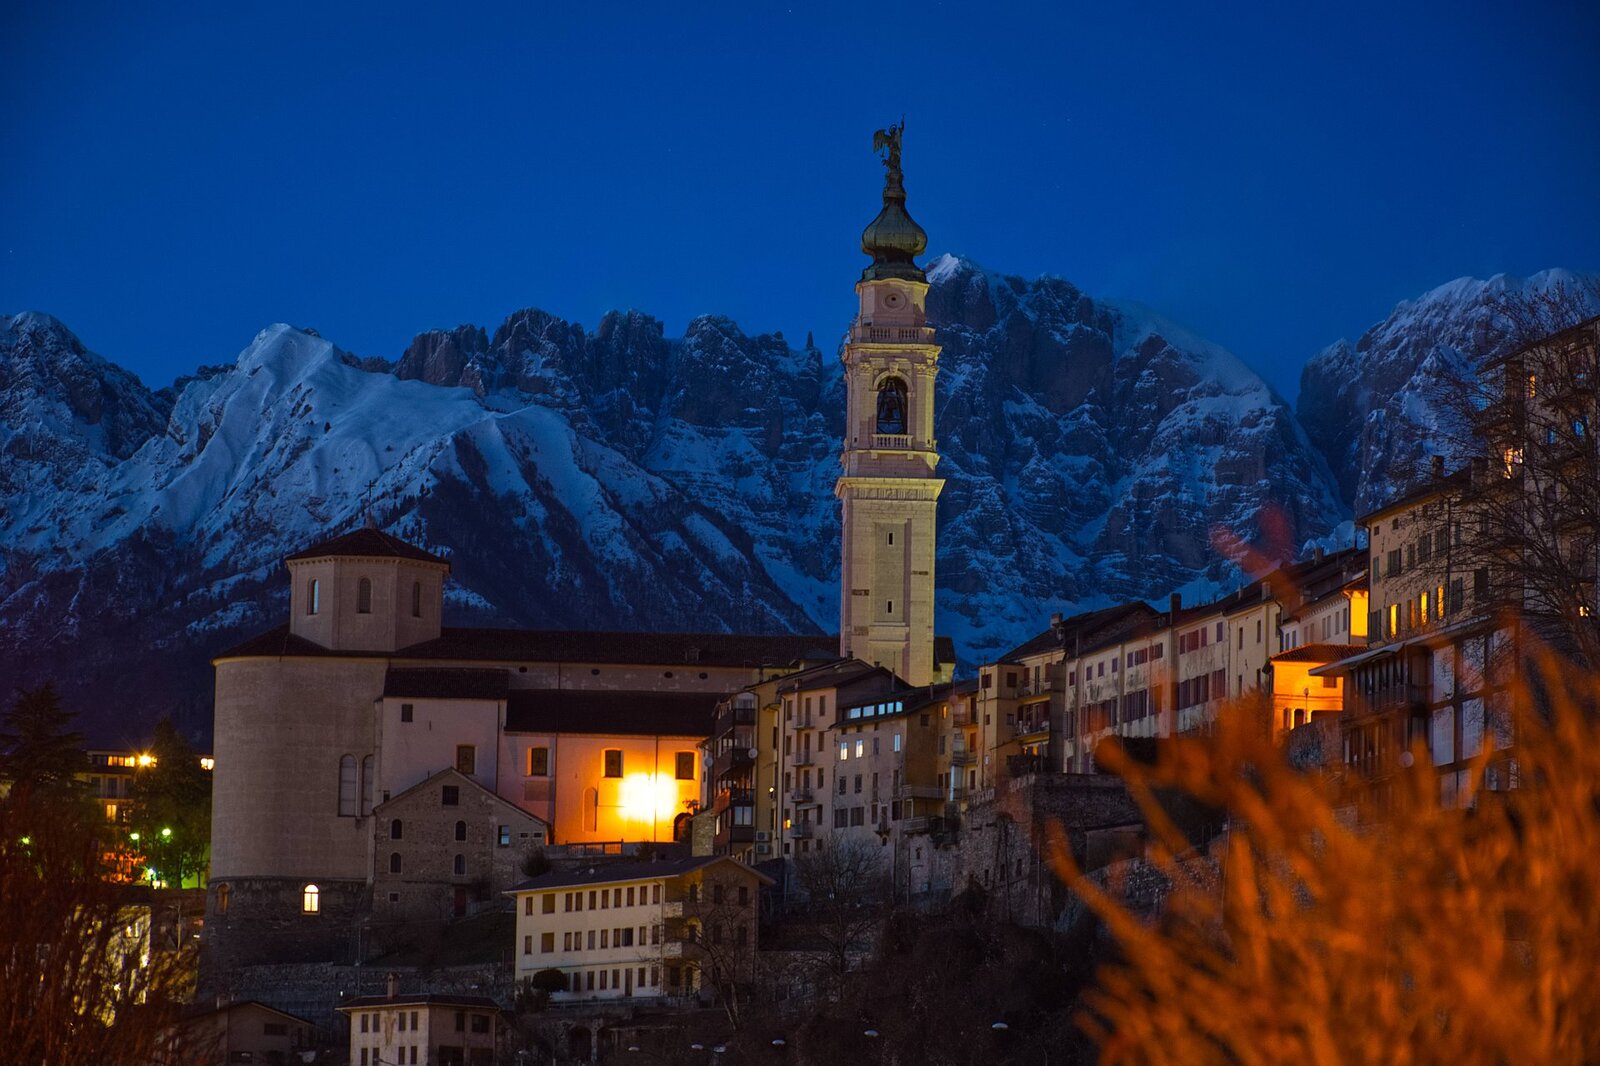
x=423 y=1030
x=653 y=931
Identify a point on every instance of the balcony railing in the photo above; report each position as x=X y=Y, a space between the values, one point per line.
x=736 y=756
x=733 y=716
x=802 y=795
x=802 y=830
x=919 y=792
x=1030 y=727
x=732 y=797
x=804 y=758
x=893 y=334
x=963 y=757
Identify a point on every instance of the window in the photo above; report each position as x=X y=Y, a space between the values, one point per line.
x=466 y=758
x=480 y=1023
x=394 y=862
x=310 y=900
x=396 y=829
x=461 y=830
x=892 y=406
x=364 y=1021
x=613 y=762
x=364 y=596
x=416 y=599
x=503 y=836
x=460 y=866
x=367 y=766
x=549 y=902
x=347 y=786
x=313 y=596
x=684 y=768
x=538 y=762
x=547 y=943
x=224 y=893
x=406 y=711
x=450 y=796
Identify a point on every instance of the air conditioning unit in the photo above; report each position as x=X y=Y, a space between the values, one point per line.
x=763 y=849
x=763 y=835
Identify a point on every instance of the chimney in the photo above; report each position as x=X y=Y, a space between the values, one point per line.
x=1174 y=605
x=1480 y=470
x=393 y=981
x=1318 y=555
x=1437 y=463
x=1266 y=586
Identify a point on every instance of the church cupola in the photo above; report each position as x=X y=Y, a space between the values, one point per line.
x=893 y=239
x=366 y=591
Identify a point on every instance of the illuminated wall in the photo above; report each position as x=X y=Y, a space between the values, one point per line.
x=582 y=802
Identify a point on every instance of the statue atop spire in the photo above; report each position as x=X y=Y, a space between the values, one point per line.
x=889 y=139
x=893 y=239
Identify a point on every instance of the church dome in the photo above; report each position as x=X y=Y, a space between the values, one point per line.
x=893 y=239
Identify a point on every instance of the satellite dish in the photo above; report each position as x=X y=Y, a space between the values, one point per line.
x=753 y=752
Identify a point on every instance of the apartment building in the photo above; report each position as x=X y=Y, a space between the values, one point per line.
x=638 y=930
x=428 y=1030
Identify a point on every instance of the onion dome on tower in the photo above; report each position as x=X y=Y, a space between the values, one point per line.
x=893 y=239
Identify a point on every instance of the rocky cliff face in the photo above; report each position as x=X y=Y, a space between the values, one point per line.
x=1374 y=408
x=617 y=478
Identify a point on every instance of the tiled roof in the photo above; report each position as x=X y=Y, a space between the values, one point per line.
x=831 y=675
x=647 y=714
x=367 y=542
x=431 y=999
x=1123 y=617
x=685 y=650
x=447 y=682
x=605 y=873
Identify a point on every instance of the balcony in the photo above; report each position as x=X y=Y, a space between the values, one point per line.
x=804 y=758
x=731 y=717
x=802 y=831
x=732 y=797
x=802 y=795
x=735 y=834
x=1033 y=727
x=906 y=792
x=735 y=757
x=892 y=334
x=963 y=757
x=1030 y=687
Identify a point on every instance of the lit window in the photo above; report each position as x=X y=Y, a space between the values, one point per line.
x=503 y=838
x=311 y=899
x=613 y=762
x=364 y=596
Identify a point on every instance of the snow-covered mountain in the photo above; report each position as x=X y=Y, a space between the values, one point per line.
x=1372 y=408
x=616 y=478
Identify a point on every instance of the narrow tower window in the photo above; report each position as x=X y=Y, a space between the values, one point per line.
x=416 y=599
x=364 y=597
x=347 y=786
x=892 y=406
x=313 y=596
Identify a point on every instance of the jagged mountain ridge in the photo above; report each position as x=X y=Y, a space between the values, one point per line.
x=1372 y=407
x=619 y=478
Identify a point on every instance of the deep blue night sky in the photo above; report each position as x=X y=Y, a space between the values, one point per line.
x=1273 y=179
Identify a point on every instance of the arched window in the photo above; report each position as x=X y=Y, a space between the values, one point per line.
x=461 y=830
x=347 y=786
x=394 y=862
x=364 y=596
x=224 y=894
x=366 y=785
x=416 y=599
x=396 y=829
x=461 y=865
x=310 y=900
x=313 y=596
x=892 y=406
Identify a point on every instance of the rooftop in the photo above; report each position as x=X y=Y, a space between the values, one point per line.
x=367 y=542
x=649 y=714
x=613 y=872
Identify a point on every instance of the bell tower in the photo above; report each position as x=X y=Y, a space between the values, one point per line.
x=888 y=490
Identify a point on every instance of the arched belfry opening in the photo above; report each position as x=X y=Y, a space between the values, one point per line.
x=892 y=396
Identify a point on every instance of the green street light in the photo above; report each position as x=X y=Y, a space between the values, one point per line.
x=133 y=836
x=165 y=833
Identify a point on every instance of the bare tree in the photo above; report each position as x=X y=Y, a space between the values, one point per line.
x=722 y=917
x=1524 y=527
x=846 y=884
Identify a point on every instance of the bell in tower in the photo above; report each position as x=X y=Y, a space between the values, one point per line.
x=888 y=490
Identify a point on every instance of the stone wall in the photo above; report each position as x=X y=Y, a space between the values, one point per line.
x=314 y=991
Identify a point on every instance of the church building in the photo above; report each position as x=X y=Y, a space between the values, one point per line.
x=376 y=767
